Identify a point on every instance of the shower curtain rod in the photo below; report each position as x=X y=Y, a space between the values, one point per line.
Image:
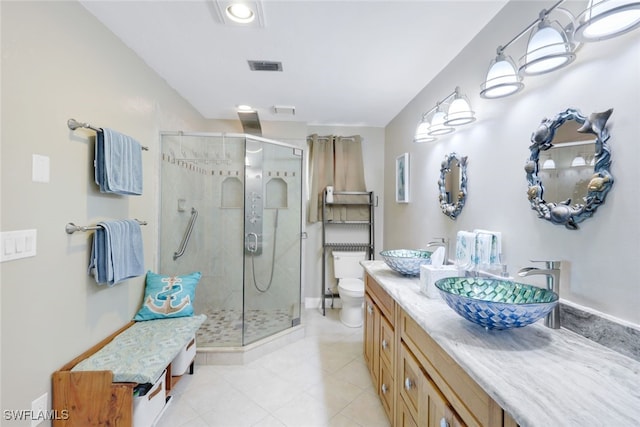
x=71 y=228
x=74 y=124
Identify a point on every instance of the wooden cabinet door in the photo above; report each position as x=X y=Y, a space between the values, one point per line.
x=403 y=416
x=387 y=347
x=372 y=338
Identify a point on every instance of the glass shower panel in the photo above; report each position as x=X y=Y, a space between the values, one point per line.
x=273 y=203
x=206 y=173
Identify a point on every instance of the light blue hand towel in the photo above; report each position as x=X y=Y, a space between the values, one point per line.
x=117 y=252
x=118 y=163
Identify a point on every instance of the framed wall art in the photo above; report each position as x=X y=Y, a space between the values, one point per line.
x=402 y=178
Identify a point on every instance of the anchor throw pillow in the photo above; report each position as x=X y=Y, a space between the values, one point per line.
x=168 y=296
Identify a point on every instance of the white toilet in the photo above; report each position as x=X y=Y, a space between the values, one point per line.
x=349 y=272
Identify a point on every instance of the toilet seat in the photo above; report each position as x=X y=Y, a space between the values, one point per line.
x=352 y=285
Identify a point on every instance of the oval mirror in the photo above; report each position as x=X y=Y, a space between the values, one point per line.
x=568 y=169
x=453 y=184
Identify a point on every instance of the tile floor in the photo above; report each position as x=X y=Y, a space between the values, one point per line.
x=319 y=380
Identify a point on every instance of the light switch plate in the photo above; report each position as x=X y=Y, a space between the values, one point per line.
x=40 y=168
x=17 y=244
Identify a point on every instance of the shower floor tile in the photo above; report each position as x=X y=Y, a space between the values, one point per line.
x=224 y=327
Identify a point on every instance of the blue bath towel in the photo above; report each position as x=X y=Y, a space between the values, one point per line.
x=118 y=163
x=117 y=252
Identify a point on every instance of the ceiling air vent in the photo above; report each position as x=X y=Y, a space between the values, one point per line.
x=265 y=65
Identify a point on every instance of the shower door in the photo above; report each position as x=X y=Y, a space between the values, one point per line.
x=272 y=227
x=209 y=196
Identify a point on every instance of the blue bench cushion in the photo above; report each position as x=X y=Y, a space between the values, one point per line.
x=143 y=351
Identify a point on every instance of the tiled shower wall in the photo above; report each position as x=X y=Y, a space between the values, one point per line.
x=207 y=173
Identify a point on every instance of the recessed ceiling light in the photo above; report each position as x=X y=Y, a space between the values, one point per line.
x=243 y=107
x=240 y=12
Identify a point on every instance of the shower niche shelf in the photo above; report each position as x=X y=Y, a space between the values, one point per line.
x=232 y=193
x=276 y=194
x=341 y=234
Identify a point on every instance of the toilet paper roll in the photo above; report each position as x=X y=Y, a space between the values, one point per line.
x=430 y=274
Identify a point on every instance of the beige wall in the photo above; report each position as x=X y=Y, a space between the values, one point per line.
x=58 y=62
x=600 y=258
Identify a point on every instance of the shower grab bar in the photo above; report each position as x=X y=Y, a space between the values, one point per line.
x=74 y=124
x=187 y=235
x=71 y=228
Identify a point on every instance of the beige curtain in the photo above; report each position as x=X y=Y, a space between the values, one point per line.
x=336 y=161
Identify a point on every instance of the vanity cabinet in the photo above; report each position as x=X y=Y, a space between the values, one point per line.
x=418 y=383
x=379 y=342
x=438 y=385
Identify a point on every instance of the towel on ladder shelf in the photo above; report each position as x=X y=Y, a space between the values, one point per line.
x=117 y=252
x=118 y=163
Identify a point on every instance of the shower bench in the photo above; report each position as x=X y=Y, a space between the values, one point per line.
x=126 y=379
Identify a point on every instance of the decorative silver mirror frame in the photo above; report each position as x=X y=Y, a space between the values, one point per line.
x=452 y=210
x=564 y=212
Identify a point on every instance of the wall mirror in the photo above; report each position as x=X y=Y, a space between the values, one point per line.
x=453 y=184
x=568 y=169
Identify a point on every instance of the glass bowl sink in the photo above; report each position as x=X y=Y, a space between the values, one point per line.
x=406 y=261
x=496 y=304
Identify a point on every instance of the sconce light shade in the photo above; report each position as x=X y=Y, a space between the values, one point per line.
x=548 y=49
x=459 y=112
x=502 y=79
x=604 y=19
x=422 y=132
x=578 y=161
x=438 y=126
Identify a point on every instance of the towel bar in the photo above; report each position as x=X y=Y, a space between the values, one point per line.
x=74 y=124
x=71 y=228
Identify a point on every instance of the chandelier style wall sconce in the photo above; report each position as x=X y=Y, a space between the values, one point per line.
x=454 y=110
x=552 y=46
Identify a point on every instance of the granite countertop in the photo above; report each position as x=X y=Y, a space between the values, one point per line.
x=540 y=376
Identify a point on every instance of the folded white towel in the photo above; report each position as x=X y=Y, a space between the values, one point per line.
x=496 y=246
x=465 y=249
x=484 y=243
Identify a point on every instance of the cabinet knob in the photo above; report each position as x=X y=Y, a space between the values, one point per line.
x=369 y=309
x=408 y=384
x=385 y=344
x=384 y=389
x=443 y=422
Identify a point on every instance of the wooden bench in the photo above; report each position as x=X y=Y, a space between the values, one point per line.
x=90 y=397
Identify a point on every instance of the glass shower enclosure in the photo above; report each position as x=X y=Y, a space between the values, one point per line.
x=231 y=208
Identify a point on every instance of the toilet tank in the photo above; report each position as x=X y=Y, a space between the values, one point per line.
x=347 y=264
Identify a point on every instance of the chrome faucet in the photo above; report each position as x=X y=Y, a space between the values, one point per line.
x=440 y=242
x=552 y=272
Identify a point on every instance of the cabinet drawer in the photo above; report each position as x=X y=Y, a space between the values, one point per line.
x=387 y=347
x=410 y=381
x=386 y=389
x=380 y=297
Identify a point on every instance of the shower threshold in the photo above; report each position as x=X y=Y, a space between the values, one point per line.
x=240 y=355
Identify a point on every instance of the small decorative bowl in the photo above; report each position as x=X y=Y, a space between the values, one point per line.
x=406 y=261
x=496 y=304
